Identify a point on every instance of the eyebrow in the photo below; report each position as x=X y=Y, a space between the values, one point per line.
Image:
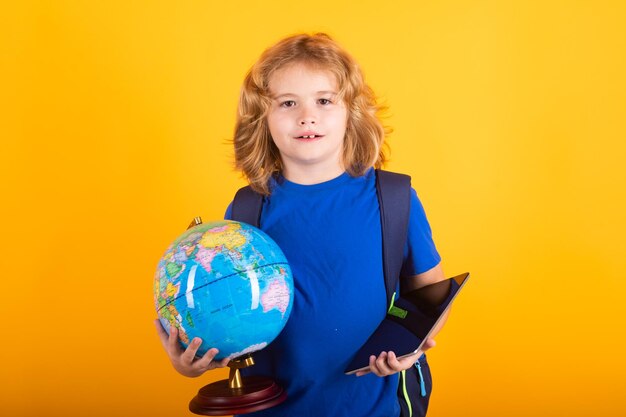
x=295 y=95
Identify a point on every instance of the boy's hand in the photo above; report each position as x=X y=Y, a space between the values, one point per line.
x=387 y=364
x=185 y=361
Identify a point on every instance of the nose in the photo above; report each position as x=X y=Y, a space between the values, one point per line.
x=307 y=116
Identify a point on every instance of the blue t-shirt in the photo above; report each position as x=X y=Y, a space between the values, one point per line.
x=331 y=235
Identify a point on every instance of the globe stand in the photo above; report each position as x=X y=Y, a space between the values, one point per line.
x=195 y=222
x=238 y=394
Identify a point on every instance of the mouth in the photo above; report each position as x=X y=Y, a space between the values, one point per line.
x=309 y=136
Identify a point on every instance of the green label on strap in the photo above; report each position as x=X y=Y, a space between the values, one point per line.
x=398 y=312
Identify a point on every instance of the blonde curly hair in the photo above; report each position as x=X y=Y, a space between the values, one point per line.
x=257 y=156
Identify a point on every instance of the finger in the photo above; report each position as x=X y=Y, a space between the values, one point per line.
x=206 y=361
x=190 y=353
x=224 y=362
x=374 y=366
x=393 y=363
x=172 y=340
x=220 y=364
x=382 y=369
x=429 y=344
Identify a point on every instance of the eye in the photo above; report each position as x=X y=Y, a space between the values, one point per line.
x=288 y=103
x=324 y=101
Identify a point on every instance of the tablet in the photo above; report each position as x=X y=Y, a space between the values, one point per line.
x=409 y=322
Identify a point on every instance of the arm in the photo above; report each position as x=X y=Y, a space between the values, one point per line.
x=185 y=361
x=387 y=363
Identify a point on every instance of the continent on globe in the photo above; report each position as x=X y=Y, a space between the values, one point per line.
x=249 y=349
x=276 y=296
x=217 y=237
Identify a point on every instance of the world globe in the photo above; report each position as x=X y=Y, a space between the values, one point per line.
x=227 y=283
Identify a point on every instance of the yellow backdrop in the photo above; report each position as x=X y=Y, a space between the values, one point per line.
x=510 y=117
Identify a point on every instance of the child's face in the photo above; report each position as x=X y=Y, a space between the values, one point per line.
x=304 y=104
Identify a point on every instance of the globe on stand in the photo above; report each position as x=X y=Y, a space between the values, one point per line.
x=229 y=284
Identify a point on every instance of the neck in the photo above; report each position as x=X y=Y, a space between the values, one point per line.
x=313 y=174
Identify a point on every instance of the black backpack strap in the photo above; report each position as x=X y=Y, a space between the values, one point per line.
x=247 y=206
x=394 y=199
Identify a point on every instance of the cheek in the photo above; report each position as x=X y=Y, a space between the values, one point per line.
x=340 y=121
x=276 y=123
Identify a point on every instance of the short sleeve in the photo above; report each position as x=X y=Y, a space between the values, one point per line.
x=229 y=212
x=420 y=253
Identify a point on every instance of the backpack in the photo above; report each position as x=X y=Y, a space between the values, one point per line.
x=394 y=198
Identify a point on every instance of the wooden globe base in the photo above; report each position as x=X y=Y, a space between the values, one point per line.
x=218 y=399
x=237 y=395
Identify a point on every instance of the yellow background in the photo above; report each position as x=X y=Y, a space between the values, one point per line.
x=510 y=117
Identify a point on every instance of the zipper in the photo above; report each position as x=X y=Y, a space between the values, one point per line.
x=422 y=384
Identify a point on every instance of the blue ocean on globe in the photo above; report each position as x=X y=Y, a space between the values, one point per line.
x=226 y=282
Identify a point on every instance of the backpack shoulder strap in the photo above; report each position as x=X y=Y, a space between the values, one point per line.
x=394 y=198
x=247 y=206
